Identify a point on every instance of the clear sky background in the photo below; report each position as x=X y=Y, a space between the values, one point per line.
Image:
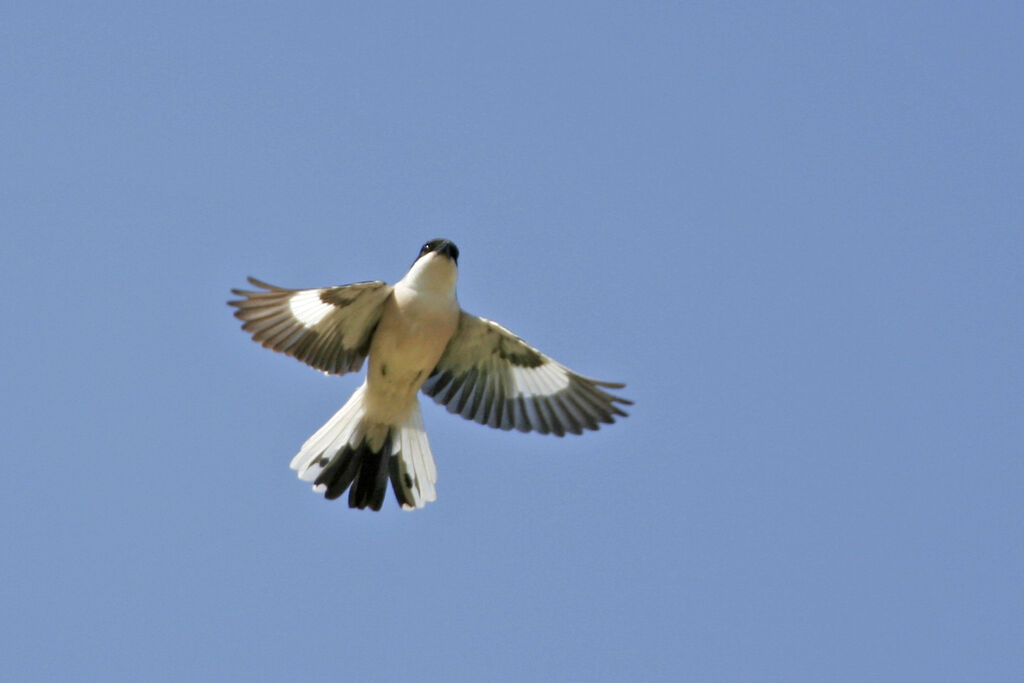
x=794 y=229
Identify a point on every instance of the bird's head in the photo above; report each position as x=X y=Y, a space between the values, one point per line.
x=436 y=267
x=441 y=247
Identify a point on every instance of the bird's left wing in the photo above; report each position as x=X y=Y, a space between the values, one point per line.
x=491 y=376
x=327 y=328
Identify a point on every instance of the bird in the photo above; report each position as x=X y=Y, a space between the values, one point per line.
x=417 y=338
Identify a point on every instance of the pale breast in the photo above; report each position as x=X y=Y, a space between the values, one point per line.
x=413 y=332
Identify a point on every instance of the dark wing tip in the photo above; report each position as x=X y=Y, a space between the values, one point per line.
x=261 y=284
x=246 y=294
x=609 y=385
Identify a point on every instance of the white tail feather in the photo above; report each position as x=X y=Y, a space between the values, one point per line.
x=335 y=433
x=415 y=458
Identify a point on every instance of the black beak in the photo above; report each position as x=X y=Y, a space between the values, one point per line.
x=448 y=249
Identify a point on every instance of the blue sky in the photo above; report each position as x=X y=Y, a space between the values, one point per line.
x=794 y=229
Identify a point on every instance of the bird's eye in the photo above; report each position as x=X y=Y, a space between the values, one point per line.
x=425 y=249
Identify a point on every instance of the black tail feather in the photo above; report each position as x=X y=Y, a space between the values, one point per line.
x=339 y=474
x=362 y=471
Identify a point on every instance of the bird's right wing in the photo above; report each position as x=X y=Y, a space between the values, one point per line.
x=491 y=376
x=327 y=328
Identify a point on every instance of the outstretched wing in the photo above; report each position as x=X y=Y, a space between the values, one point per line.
x=491 y=376
x=328 y=328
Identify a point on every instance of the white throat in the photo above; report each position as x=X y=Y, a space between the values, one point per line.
x=432 y=273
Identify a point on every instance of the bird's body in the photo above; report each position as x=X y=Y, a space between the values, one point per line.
x=416 y=337
x=419 y=318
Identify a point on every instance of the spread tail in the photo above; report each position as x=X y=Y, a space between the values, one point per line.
x=348 y=453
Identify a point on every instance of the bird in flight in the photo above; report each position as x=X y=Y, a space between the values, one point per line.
x=417 y=338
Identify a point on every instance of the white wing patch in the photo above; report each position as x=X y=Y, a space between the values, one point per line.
x=544 y=380
x=307 y=307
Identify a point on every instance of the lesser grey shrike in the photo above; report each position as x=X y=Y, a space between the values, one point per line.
x=417 y=338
